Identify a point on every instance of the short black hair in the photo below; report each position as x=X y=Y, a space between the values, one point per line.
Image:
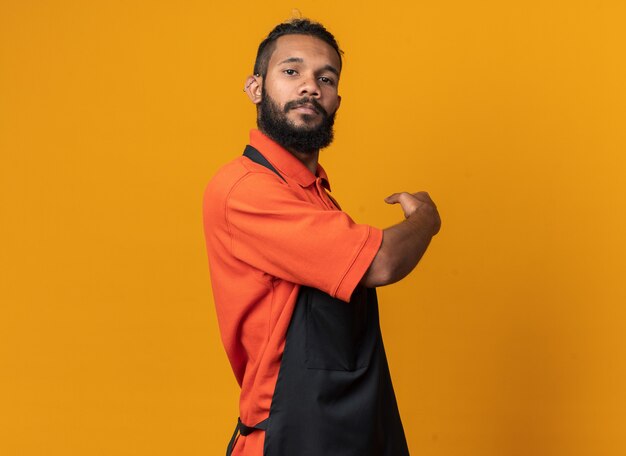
x=292 y=27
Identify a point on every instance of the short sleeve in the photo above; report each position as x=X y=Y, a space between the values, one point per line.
x=295 y=240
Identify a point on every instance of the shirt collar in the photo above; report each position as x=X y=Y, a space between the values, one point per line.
x=285 y=162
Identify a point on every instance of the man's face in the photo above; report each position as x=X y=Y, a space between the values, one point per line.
x=299 y=93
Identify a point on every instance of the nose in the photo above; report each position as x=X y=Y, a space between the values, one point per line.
x=310 y=87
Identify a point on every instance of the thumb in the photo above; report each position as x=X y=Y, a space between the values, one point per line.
x=393 y=198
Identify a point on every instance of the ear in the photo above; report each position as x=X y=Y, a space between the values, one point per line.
x=253 y=88
x=338 y=101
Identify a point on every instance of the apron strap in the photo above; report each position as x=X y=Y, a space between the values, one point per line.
x=257 y=157
x=244 y=430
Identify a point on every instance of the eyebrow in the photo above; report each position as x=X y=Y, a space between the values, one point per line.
x=330 y=68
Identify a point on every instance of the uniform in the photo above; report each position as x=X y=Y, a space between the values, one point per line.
x=300 y=333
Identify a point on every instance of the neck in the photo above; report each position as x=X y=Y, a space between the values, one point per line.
x=309 y=159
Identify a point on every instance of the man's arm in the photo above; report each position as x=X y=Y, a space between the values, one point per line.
x=404 y=244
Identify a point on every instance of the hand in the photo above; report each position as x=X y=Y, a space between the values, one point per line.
x=417 y=205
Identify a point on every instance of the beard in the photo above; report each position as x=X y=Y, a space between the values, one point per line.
x=273 y=121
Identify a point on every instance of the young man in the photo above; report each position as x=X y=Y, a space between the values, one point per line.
x=293 y=276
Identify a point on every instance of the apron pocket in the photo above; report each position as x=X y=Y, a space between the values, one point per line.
x=335 y=331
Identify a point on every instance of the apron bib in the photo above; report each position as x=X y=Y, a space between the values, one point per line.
x=333 y=395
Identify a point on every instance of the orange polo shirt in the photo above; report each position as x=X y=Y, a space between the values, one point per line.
x=265 y=238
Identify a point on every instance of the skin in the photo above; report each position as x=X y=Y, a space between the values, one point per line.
x=404 y=244
x=305 y=66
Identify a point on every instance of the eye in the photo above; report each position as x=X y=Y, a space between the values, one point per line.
x=290 y=72
x=327 y=81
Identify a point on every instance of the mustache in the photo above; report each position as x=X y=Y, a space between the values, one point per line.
x=302 y=101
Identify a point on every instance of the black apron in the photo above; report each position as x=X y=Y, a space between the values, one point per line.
x=333 y=395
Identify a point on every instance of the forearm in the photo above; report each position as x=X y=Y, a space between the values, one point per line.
x=404 y=244
x=402 y=247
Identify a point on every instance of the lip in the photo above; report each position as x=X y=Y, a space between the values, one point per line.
x=306 y=109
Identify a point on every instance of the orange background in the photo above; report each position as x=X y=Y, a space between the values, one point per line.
x=507 y=340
